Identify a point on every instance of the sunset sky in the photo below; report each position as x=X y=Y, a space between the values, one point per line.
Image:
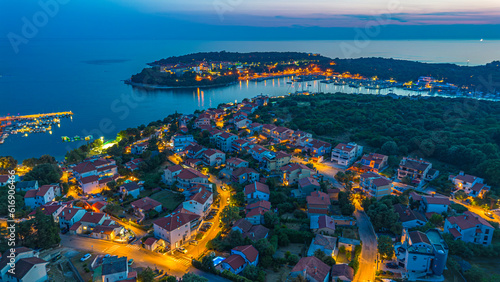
x=245 y=19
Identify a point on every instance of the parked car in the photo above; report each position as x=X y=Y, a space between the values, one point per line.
x=391 y=265
x=193 y=242
x=227 y=201
x=209 y=217
x=130 y=261
x=85 y=257
x=489 y=214
x=182 y=250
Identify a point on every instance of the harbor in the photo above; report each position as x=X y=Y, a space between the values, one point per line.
x=26 y=124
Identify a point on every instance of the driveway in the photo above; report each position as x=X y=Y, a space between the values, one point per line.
x=327 y=169
x=367 y=260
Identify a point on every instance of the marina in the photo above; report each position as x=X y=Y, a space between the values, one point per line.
x=25 y=124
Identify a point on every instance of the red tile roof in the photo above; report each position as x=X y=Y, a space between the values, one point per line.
x=243 y=224
x=326 y=222
x=419 y=237
x=454 y=232
x=263 y=204
x=243 y=170
x=468 y=220
x=89 y=179
x=174 y=168
x=256 y=186
x=68 y=213
x=146 y=204
x=93 y=217
x=189 y=173
x=249 y=251
x=150 y=241
x=344 y=147
x=84 y=167
x=175 y=220
x=235 y=261
x=318 y=198
x=308 y=181
x=202 y=196
x=255 y=212
x=345 y=270
x=313 y=267
x=437 y=200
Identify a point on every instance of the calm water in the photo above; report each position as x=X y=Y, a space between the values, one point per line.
x=86 y=78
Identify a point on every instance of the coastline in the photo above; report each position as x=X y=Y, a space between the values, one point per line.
x=154 y=86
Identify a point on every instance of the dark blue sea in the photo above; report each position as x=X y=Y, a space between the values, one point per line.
x=86 y=77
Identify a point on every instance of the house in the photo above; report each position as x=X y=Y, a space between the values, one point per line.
x=176 y=228
x=293 y=172
x=180 y=142
x=333 y=193
x=224 y=141
x=267 y=129
x=470 y=228
x=433 y=203
x=99 y=206
x=409 y=218
x=248 y=230
x=131 y=188
x=93 y=174
x=478 y=190
x=342 y=272
x=258 y=153
x=35 y=198
x=322 y=224
x=375 y=185
x=188 y=177
x=171 y=172
x=472 y=185
x=373 y=162
x=341 y=220
x=345 y=154
x=421 y=254
x=240 y=145
x=199 y=203
x=195 y=151
x=27 y=185
x=255 y=215
x=245 y=174
x=325 y=243
x=318 y=203
x=133 y=165
x=52 y=208
x=106 y=232
x=213 y=157
x=114 y=269
x=282 y=134
x=241 y=122
x=28 y=267
x=348 y=243
x=255 y=127
x=308 y=185
x=4 y=179
x=202 y=120
x=312 y=269
x=70 y=216
x=139 y=148
x=92 y=219
x=317 y=148
x=234 y=163
x=416 y=170
x=240 y=257
x=152 y=244
x=274 y=161
x=145 y=205
x=257 y=190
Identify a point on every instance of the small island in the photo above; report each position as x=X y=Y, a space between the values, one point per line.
x=213 y=69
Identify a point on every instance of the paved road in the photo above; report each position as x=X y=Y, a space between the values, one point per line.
x=478 y=211
x=367 y=265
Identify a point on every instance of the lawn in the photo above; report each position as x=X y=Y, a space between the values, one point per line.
x=281 y=275
x=168 y=199
x=351 y=233
x=295 y=249
x=81 y=267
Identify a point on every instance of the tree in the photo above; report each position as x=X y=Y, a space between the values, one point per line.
x=191 y=277
x=271 y=220
x=208 y=263
x=385 y=247
x=39 y=232
x=254 y=273
x=460 y=195
x=7 y=163
x=229 y=214
x=390 y=148
x=147 y=275
x=346 y=208
x=45 y=174
x=436 y=219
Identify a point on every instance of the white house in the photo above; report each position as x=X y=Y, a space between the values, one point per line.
x=28 y=267
x=433 y=203
x=199 y=203
x=346 y=154
x=470 y=228
x=70 y=216
x=224 y=140
x=257 y=190
x=35 y=198
x=131 y=188
x=409 y=218
x=213 y=157
x=240 y=257
x=114 y=269
x=177 y=228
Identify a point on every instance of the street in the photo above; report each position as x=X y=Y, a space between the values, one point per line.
x=479 y=211
x=367 y=264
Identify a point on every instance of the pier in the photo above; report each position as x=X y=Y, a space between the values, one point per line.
x=35 y=116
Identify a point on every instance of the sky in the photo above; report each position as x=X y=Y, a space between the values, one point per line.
x=251 y=19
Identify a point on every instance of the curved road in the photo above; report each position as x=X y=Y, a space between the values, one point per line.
x=367 y=260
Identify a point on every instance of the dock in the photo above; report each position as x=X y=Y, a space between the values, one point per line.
x=35 y=116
